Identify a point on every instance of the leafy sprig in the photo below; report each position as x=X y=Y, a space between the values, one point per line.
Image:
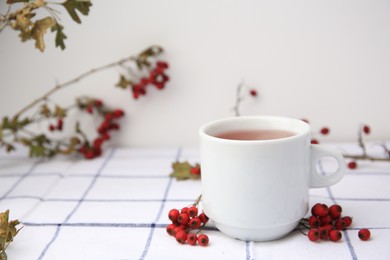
x=24 y=20
x=16 y=129
x=8 y=230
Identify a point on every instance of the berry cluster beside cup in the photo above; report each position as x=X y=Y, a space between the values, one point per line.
x=326 y=223
x=185 y=221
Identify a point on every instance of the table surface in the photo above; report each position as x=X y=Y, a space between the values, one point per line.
x=116 y=207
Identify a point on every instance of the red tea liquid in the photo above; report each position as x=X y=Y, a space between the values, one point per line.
x=258 y=134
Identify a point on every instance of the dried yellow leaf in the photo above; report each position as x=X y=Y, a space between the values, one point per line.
x=39 y=29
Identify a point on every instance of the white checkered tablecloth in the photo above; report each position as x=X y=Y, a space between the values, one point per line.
x=116 y=207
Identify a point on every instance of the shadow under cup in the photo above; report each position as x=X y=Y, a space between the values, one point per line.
x=258 y=190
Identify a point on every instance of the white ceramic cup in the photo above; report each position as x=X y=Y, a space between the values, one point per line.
x=258 y=190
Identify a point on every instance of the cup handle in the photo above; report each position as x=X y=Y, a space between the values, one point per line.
x=316 y=179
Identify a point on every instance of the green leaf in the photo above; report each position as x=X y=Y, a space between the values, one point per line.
x=37 y=151
x=81 y=5
x=182 y=171
x=60 y=36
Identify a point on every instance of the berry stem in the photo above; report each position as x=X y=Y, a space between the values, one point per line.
x=197 y=200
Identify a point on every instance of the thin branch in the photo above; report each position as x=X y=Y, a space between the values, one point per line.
x=366 y=157
x=236 y=107
x=57 y=87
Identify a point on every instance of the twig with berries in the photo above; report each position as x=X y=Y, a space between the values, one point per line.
x=366 y=130
x=327 y=223
x=16 y=129
x=185 y=222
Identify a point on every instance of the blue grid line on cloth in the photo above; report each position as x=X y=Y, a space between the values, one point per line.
x=149 y=240
x=94 y=178
x=347 y=239
x=22 y=177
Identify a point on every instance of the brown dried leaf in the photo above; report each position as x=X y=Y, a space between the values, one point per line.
x=39 y=29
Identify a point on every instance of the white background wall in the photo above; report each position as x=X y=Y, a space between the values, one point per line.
x=328 y=61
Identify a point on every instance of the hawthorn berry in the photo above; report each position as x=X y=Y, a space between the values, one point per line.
x=192 y=211
x=203 y=217
x=173 y=214
x=324 y=232
x=184 y=210
x=319 y=210
x=183 y=219
x=364 y=234
x=352 y=165
x=118 y=113
x=347 y=220
x=325 y=220
x=335 y=235
x=314 y=222
x=170 y=229
x=324 y=130
x=340 y=224
x=335 y=211
x=203 y=240
x=192 y=239
x=181 y=237
x=194 y=223
x=52 y=128
x=366 y=129
x=195 y=170
x=253 y=92
x=313 y=234
x=314 y=141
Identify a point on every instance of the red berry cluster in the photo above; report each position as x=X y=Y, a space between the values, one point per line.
x=326 y=223
x=157 y=77
x=185 y=221
x=108 y=124
x=58 y=126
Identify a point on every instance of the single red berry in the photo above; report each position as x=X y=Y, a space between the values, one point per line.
x=314 y=141
x=366 y=129
x=98 y=142
x=181 y=237
x=324 y=130
x=340 y=224
x=105 y=136
x=325 y=220
x=347 y=220
x=192 y=211
x=173 y=214
x=90 y=154
x=170 y=229
x=195 y=223
x=60 y=123
x=89 y=109
x=203 y=240
x=335 y=235
x=352 y=165
x=324 y=232
x=319 y=210
x=159 y=85
x=162 y=64
x=192 y=239
x=52 y=128
x=195 y=170
x=177 y=230
x=314 y=222
x=364 y=234
x=335 y=211
x=118 y=113
x=329 y=227
x=183 y=218
x=184 y=210
x=114 y=126
x=313 y=234
x=253 y=92
x=203 y=217
x=98 y=103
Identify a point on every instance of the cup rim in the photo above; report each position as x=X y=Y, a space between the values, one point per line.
x=203 y=129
